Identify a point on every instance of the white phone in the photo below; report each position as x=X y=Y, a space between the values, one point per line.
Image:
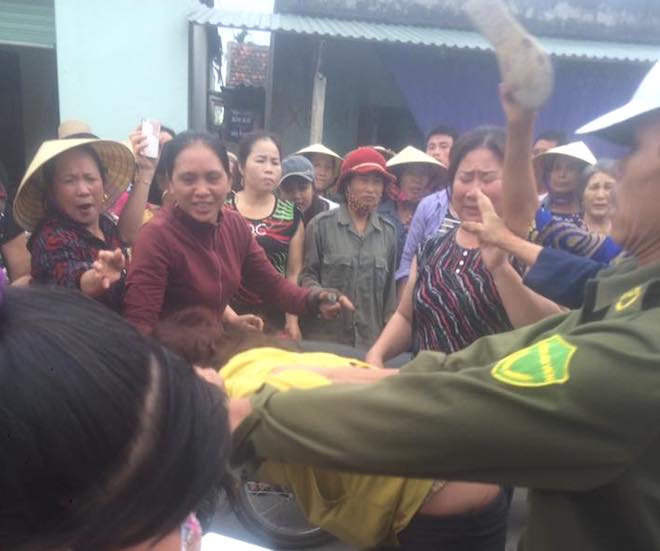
x=151 y=129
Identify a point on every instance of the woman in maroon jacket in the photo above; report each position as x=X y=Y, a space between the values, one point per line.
x=196 y=253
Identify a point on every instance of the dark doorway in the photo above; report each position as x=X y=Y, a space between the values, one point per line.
x=12 y=140
x=29 y=106
x=392 y=127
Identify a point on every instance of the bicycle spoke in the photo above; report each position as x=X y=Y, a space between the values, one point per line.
x=275 y=511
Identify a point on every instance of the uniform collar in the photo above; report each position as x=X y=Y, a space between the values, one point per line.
x=344 y=219
x=614 y=282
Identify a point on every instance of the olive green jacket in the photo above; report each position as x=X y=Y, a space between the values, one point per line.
x=569 y=407
x=361 y=266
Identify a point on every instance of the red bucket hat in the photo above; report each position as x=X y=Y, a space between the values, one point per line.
x=363 y=160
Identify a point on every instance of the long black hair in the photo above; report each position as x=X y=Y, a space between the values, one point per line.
x=181 y=141
x=248 y=140
x=492 y=138
x=107 y=440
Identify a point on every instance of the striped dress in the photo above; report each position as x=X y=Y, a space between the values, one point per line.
x=455 y=300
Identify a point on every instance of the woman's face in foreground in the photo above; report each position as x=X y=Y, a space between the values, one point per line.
x=199 y=182
x=481 y=170
x=77 y=187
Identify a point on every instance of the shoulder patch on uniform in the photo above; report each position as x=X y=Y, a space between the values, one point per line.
x=627 y=299
x=542 y=364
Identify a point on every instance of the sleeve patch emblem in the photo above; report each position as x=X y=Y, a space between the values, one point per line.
x=542 y=364
x=628 y=298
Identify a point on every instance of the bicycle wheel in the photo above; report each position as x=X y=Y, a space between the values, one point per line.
x=272 y=514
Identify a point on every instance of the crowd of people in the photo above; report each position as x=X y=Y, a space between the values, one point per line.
x=473 y=257
x=383 y=235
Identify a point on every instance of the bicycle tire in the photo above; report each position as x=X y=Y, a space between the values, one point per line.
x=300 y=534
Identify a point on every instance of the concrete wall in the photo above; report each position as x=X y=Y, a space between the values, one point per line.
x=122 y=60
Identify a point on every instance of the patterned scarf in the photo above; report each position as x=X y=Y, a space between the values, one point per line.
x=358 y=206
x=394 y=192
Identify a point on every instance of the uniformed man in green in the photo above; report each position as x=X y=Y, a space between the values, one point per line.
x=568 y=407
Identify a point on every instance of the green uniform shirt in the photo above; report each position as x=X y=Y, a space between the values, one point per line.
x=359 y=265
x=569 y=407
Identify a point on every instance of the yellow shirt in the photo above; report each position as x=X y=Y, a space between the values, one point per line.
x=362 y=510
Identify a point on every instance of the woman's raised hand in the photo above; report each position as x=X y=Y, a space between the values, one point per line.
x=139 y=142
x=108 y=267
x=514 y=112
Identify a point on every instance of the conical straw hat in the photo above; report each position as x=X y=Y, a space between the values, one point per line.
x=29 y=205
x=75 y=129
x=410 y=155
x=318 y=148
x=574 y=150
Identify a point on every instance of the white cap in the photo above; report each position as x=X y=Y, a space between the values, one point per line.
x=618 y=125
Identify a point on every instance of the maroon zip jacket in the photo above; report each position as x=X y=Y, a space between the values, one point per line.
x=178 y=262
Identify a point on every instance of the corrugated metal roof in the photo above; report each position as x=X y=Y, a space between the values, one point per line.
x=409 y=34
x=27 y=23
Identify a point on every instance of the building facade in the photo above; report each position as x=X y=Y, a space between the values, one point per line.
x=387 y=71
x=108 y=63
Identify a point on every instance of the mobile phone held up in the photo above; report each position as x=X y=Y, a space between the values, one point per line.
x=151 y=130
